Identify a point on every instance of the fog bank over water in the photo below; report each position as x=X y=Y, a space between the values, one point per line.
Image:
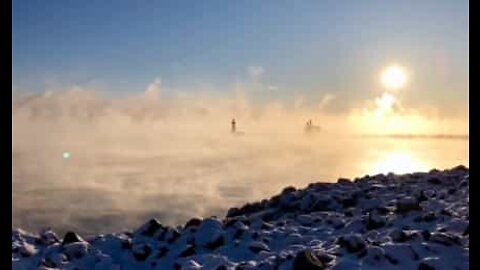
x=93 y=163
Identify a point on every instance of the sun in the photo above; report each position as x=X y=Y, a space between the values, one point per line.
x=394 y=77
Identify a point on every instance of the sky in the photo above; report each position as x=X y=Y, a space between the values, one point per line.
x=316 y=50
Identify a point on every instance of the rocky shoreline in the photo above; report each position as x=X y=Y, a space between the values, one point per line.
x=411 y=221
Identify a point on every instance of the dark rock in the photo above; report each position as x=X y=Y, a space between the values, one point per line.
x=362 y=253
x=189 y=250
x=234 y=211
x=426 y=235
x=403 y=235
x=429 y=217
x=434 y=180
x=76 y=250
x=162 y=252
x=344 y=181
x=266 y=226
x=268 y=216
x=323 y=256
x=307 y=260
x=172 y=236
x=149 y=228
x=220 y=241
x=430 y=264
x=162 y=235
x=194 y=222
x=374 y=222
x=141 y=252
x=46 y=264
x=382 y=210
x=49 y=237
x=407 y=204
x=251 y=208
x=126 y=244
x=424 y=266
x=422 y=197
x=463 y=184
x=445 y=239
x=71 y=237
x=238 y=233
x=352 y=243
x=256 y=247
x=229 y=222
x=391 y=259
x=460 y=168
x=349 y=202
x=288 y=190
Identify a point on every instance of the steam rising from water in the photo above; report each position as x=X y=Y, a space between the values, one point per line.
x=94 y=164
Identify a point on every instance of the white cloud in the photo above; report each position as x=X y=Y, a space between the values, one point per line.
x=272 y=88
x=326 y=100
x=153 y=90
x=255 y=72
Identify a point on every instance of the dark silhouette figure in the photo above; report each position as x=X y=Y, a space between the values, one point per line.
x=309 y=125
x=233 y=125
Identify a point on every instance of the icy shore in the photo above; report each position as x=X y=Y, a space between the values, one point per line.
x=412 y=221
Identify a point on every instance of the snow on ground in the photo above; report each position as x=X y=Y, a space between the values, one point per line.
x=412 y=221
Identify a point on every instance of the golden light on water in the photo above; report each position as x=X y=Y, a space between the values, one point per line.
x=394 y=77
x=399 y=163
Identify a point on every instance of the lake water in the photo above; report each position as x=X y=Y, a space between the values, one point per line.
x=97 y=184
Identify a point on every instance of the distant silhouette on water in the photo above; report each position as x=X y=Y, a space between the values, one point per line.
x=234 y=129
x=310 y=127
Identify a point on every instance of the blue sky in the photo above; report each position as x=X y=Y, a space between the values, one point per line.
x=307 y=48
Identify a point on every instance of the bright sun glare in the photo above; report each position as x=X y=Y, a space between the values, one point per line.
x=385 y=102
x=398 y=162
x=394 y=77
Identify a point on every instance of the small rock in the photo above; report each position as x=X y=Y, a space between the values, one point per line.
x=141 y=252
x=216 y=243
x=76 y=250
x=189 y=250
x=27 y=250
x=430 y=263
x=307 y=260
x=208 y=232
x=352 y=242
x=71 y=237
x=149 y=228
x=445 y=239
x=162 y=252
x=344 y=181
x=194 y=222
x=49 y=237
x=375 y=221
x=407 y=204
x=257 y=246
